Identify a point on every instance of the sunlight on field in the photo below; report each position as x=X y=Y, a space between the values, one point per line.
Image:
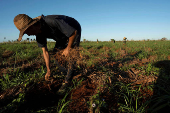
x=110 y=77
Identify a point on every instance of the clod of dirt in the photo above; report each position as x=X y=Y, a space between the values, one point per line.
x=7 y=54
x=72 y=57
x=111 y=64
x=81 y=95
x=135 y=79
x=30 y=67
x=99 y=79
x=9 y=94
x=133 y=54
x=41 y=95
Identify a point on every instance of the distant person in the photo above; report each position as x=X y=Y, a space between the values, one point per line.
x=124 y=40
x=113 y=40
x=66 y=31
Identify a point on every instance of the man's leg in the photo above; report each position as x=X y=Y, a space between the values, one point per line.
x=71 y=64
x=60 y=45
x=77 y=38
x=70 y=67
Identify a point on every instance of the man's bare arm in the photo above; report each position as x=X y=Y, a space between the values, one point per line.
x=70 y=43
x=39 y=17
x=71 y=39
x=47 y=61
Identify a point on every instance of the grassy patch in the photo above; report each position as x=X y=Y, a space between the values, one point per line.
x=23 y=69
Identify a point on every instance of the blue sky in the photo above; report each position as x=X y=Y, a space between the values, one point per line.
x=99 y=19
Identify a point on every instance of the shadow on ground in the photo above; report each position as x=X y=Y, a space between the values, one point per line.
x=161 y=93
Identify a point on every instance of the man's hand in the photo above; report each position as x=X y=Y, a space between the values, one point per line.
x=47 y=76
x=70 y=42
x=66 y=51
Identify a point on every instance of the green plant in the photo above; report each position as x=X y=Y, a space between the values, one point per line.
x=76 y=83
x=62 y=104
x=5 y=81
x=142 y=55
x=129 y=98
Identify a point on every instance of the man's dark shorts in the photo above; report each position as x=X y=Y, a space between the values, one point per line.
x=60 y=44
x=63 y=43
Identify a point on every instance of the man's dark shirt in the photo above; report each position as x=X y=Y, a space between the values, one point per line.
x=57 y=27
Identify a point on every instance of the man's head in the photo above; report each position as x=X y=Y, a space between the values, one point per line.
x=23 y=22
x=34 y=29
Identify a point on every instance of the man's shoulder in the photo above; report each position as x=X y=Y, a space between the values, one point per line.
x=51 y=18
x=56 y=16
